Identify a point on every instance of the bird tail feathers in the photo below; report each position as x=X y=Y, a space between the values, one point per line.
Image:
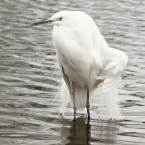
x=109 y=102
x=65 y=98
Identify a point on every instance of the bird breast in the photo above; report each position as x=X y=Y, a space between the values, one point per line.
x=76 y=60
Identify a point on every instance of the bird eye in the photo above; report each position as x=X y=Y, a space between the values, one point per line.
x=60 y=18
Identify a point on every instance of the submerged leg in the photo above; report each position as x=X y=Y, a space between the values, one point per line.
x=74 y=100
x=88 y=104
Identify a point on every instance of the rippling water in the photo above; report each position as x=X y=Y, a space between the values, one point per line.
x=28 y=81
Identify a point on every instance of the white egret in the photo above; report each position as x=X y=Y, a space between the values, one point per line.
x=85 y=60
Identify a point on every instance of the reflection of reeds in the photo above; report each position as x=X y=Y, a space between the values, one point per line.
x=86 y=132
x=105 y=131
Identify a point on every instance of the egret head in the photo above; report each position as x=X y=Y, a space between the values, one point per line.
x=60 y=18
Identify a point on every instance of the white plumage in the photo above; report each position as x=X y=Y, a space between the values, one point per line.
x=85 y=59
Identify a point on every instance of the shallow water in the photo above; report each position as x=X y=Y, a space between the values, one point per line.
x=28 y=81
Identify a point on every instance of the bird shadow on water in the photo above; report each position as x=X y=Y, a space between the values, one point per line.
x=84 y=131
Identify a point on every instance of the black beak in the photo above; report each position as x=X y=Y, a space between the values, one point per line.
x=40 y=22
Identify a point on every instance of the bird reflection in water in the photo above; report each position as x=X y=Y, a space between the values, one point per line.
x=84 y=131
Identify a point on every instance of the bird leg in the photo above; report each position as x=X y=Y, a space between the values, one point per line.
x=88 y=131
x=74 y=100
x=88 y=104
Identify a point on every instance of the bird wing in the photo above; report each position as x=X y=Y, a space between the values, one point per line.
x=113 y=72
x=115 y=61
x=66 y=78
